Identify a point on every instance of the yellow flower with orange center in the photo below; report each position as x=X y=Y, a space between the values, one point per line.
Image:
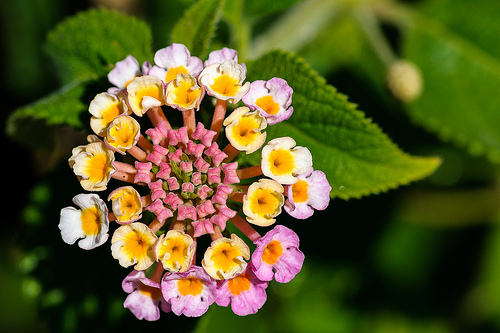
x=104 y=108
x=133 y=244
x=243 y=129
x=175 y=251
x=263 y=202
x=126 y=204
x=123 y=133
x=183 y=93
x=225 y=258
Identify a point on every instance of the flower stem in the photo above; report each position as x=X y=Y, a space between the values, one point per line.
x=217 y=233
x=138 y=153
x=145 y=144
x=157 y=273
x=231 y=153
x=249 y=172
x=245 y=228
x=219 y=115
x=156 y=116
x=189 y=120
x=155 y=225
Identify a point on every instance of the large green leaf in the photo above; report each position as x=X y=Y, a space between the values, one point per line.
x=461 y=73
x=197 y=26
x=88 y=45
x=357 y=157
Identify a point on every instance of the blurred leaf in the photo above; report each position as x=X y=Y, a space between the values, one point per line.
x=265 y=7
x=357 y=157
x=197 y=26
x=87 y=45
x=461 y=80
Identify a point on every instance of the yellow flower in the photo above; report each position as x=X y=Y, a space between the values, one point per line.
x=126 y=204
x=175 y=251
x=243 y=129
x=263 y=202
x=225 y=258
x=183 y=93
x=145 y=92
x=133 y=244
x=123 y=133
x=104 y=108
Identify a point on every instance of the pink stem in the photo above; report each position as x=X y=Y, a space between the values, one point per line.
x=219 y=115
x=231 y=153
x=157 y=273
x=189 y=120
x=145 y=144
x=245 y=228
x=155 y=225
x=217 y=233
x=237 y=196
x=156 y=116
x=138 y=153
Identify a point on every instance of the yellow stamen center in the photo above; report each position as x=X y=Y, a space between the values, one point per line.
x=91 y=221
x=268 y=104
x=225 y=257
x=172 y=73
x=225 y=85
x=282 y=162
x=184 y=95
x=177 y=249
x=151 y=292
x=264 y=202
x=190 y=286
x=110 y=113
x=272 y=252
x=97 y=166
x=244 y=132
x=122 y=134
x=136 y=245
x=238 y=284
x=299 y=190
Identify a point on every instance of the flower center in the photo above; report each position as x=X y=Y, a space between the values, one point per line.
x=282 y=162
x=173 y=72
x=151 y=292
x=238 y=284
x=91 y=221
x=272 y=252
x=225 y=257
x=190 y=286
x=264 y=202
x=244 y=132
x=185 y=95
x=299 y=190
x=96 y=167
x=225 y=85
x=268 y=104
x=111 y=113
x=136 y=245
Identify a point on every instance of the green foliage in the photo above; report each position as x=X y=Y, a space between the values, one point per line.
x=358 y=158
x=197 y=26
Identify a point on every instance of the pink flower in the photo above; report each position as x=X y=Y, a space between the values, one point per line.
x=189 y=293
x=311 y=191
x=246 y=293
x=277 y=254
x=145 y=296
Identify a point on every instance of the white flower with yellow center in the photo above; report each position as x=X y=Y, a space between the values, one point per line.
x=123 y=133
x=225 y=81
x=89 y=223
x=175 y=251
x=263 y=202
x=225 y=258
x=133 y=244
x=282 y=161
x=183 y=93
x=93 y=165
x=126 y=204
x=145 y=92
x=243 y=129
x=104 y=108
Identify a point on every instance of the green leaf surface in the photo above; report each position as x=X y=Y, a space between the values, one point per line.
x=197 y=26
x=87 y=45
x=265 y=7
x=357 y=157
x=461 y=81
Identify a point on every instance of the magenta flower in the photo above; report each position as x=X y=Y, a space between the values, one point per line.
x=277 y=254
x=245 y=292
x=189 y=293
x=184 y=183
x=144 y=297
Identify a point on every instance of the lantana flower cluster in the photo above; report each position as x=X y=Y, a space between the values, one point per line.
x=186 y=186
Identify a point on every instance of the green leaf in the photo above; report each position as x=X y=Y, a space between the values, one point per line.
x=265 y=7
x=461 y=77
x=357 y=157
x=87 y=46
x=29 y=124
x=197 y=26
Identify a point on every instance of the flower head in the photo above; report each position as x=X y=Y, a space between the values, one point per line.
x=263 y=202
x=272 y=98
x=282 y=161
x=277 y=254
x=245 y=291
x=173 y=60
x=311 y=191
x=189 y=293
x=93 y=165
x=188 y=180
x=225 y=81
x=144 y=296
x=133 y=244
x=89 y=223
